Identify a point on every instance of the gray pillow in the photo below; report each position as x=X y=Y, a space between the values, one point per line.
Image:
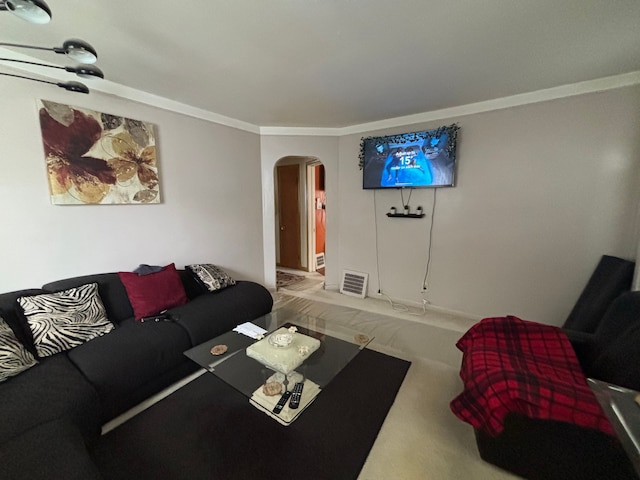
x=14 y=358
x=63 y=320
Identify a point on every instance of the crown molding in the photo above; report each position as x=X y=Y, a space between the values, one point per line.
x=306 y=131
x=128 y=93
x=119 y=90
x=555 y=93
x=140 y=96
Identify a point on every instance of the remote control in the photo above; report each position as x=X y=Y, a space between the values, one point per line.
x=282 y=402
x=296 y=394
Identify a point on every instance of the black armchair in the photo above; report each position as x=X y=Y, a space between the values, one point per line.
x=612 y=352
x=608 y=348
x=546 y=450
x=610 y=279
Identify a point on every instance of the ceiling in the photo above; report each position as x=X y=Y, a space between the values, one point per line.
x=337 y=63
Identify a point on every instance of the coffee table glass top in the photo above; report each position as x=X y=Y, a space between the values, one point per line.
x=316 y=354
x=621 y=407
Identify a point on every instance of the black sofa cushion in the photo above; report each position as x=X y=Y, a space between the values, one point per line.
x=51 y=451
x=214 y=313
x=619 y=361
x=622 y=314
x=124 y=366
x=611 y=277
x=609 y=353
x=52 y=389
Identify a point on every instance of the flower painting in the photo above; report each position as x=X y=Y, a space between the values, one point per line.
x=97 y=158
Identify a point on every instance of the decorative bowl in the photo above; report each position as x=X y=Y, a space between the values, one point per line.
x=281 y=340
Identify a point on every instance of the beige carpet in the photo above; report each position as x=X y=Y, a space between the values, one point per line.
x=421 y=439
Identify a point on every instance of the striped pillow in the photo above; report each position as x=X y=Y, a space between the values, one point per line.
x=63 y=320
x=14 y=358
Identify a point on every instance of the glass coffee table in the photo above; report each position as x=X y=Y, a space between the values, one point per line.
x=622 y=408
x=296 y=349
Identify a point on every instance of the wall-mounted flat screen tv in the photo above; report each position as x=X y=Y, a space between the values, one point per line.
x=410 y=160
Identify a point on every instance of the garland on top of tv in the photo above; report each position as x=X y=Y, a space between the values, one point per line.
x=451 y=130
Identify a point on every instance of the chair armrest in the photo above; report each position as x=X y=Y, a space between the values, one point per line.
x=585 y=346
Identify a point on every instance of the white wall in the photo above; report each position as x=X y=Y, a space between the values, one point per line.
x=211 y=208
x=543 y=191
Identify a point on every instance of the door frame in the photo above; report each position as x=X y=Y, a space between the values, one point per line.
x=302 y=207
x=307 y=205
x=311 y=213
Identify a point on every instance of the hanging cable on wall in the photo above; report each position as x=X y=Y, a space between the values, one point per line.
x=425 y=281
x=405 y=205
x=375 y=221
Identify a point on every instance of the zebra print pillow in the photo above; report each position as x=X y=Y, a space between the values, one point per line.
x=14 y=358
x=63 y=320
x=210 y=276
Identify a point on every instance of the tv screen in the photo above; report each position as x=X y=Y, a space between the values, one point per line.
x=410 y=160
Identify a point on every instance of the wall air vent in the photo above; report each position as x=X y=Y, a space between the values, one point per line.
x=354 y=283
x=319 y=260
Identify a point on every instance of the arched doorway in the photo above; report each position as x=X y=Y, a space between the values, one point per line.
x=300 y=213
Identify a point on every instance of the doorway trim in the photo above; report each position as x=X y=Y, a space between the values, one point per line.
x=307 y=213
x=311 y=212
x=301 y=162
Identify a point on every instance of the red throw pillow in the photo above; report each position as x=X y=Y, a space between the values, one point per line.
x=151 y=294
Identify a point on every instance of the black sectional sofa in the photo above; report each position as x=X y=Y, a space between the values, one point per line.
x=52 y=413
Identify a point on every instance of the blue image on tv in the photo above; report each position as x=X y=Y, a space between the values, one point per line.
x=410 y=160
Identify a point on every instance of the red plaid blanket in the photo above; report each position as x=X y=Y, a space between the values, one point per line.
x=513 y=365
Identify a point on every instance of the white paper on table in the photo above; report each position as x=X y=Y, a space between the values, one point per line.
x=250 y=330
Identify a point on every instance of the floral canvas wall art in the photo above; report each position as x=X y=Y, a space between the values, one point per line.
x=97 y=158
